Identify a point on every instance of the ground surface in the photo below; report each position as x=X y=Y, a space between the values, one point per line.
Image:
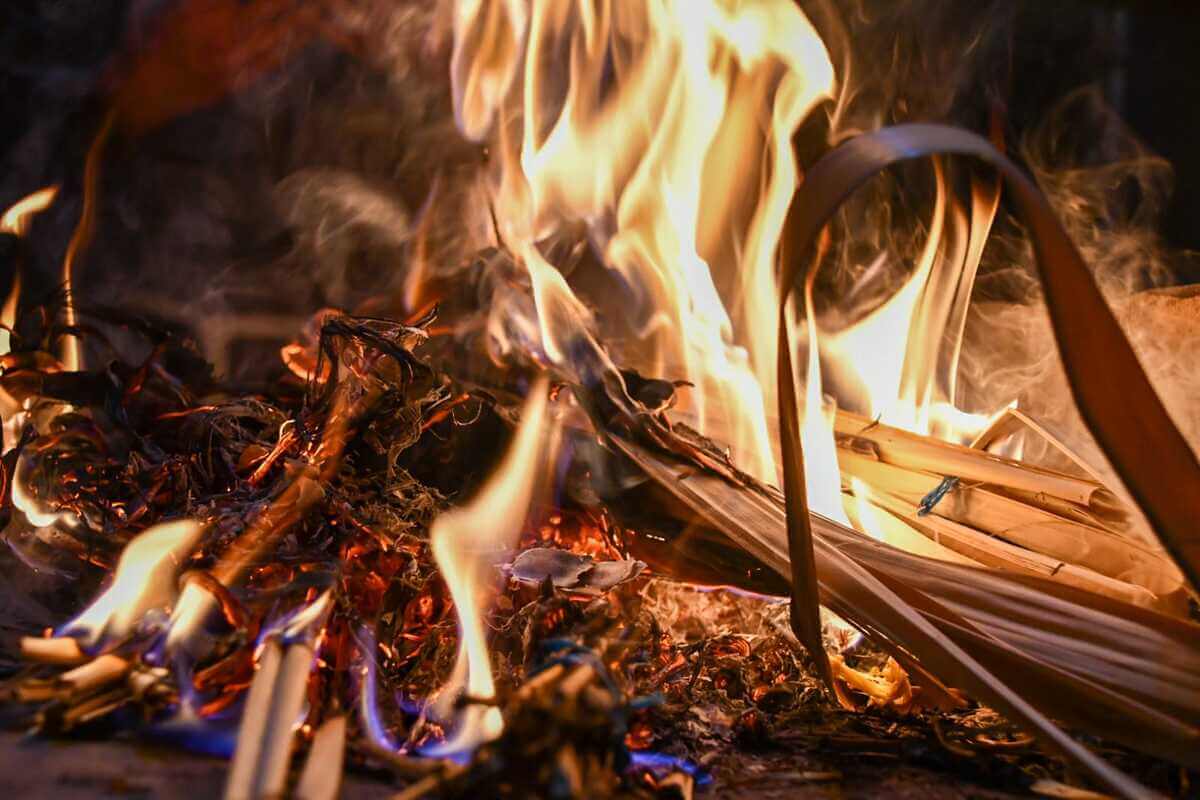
x=75 y=770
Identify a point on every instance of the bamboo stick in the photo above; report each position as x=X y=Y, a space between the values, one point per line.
x=95 y=707
x=1114 y=514
x=240 y=783
x=997 y=553
x=924 y=453
x=95 y=674
x=60 y=651
x=322 y=773
x=1066 y=540
x=883 y=525
x=36 y=691
x=279 y=733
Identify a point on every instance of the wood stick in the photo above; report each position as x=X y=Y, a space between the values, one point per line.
x=927 y=454
x=60 y=651
x=279 y=732
x=322 y=774
x=240 y=783
x=97 y=673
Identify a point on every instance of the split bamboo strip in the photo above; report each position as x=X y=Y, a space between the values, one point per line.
x=1066 y=540
x=886 y=526
x=924 y=453
x=322 y=774
x=240 y=783
x=1115 y=516
x=992 y=552
x=279 y=733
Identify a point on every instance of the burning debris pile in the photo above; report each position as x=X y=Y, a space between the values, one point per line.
x=501 y=536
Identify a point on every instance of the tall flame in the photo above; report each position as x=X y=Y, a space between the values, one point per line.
x=667 y=130
x=899 y=362
x=466 y=542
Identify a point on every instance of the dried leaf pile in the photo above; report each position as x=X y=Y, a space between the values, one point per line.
x=614 y=678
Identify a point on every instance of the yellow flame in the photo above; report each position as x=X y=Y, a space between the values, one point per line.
x=890 y=364
x=17 y=218
x=823 y=480
x=466 y=543
x=871 y=355
x=665 y=125
x=144 y=580
x=15 y=221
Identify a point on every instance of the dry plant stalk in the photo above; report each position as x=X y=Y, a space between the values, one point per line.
x=1096 y=549
x=997 y=553
x=926 y=454
x=61 y=651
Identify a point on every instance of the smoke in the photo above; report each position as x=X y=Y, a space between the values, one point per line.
x=1110 y=192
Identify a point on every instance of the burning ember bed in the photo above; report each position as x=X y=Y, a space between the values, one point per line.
x=587 y=399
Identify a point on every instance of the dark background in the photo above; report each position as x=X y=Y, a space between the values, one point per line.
x=1143 y=56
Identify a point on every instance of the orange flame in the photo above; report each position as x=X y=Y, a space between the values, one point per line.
x=671 y=139
x=71 y=357
x=466 y=542
x=15 y=221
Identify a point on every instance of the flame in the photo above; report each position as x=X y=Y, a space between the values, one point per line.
x=143 y=580
x=39 y=514
x=72 y=357
x=466 y=542
x=17 y=218
x=668 y=133
x=890 y=363
x=823 y=481
x=16 y=222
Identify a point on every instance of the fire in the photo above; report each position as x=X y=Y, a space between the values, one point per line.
x=671 y=139
x=890 y=364
x=466 y=542
x=17 y=218
x=639 y=139
x=15 y=222
x=144 y=580
x=72 y=356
